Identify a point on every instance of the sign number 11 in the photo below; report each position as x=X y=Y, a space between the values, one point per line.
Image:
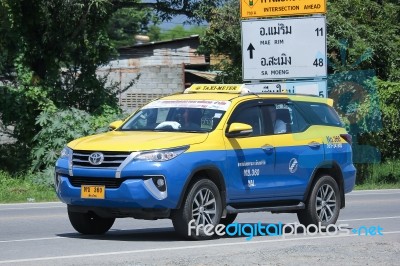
x=319 y=31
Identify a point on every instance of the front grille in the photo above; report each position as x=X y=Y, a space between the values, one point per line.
x=111 y=159
x=96 y=181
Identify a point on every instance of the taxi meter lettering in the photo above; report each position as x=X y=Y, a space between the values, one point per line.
x=215 y=88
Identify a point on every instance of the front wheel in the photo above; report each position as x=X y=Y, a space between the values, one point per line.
x=200 y=212
x=323 y=205
x=90 y=223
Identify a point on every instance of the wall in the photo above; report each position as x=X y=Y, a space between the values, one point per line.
x=151 y=82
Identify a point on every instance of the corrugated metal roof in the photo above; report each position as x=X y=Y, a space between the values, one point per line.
x=203 y=74
x=192 y=37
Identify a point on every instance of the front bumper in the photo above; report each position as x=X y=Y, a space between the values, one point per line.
x=136 y=189
x=132 y=193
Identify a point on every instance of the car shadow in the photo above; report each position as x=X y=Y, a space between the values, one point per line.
x=148 y=234
x=168 y=234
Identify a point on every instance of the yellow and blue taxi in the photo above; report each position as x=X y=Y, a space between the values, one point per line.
x=208 y=154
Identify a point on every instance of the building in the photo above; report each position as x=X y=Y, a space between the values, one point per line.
x=157 y=69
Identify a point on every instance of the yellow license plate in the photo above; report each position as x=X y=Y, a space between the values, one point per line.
x=92 y=192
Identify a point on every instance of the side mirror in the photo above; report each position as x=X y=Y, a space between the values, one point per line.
x=239 y=130
x=114 y=125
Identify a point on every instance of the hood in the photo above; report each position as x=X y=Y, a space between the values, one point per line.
x=136 y=141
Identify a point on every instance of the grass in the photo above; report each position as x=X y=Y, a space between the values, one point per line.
x=371 y=186
x=379 y=175
x=22 y=188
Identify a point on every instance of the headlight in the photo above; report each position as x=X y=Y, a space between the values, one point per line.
x=161 y=155
x=65 y=153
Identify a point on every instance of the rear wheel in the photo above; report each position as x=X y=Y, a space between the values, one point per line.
x=90 y=223
x=201 y=208
x=323 y=205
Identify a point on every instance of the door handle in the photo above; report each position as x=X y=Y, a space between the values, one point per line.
x=267 y=147
x=314 y=144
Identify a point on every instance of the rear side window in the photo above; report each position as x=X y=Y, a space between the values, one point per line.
x=320 y=114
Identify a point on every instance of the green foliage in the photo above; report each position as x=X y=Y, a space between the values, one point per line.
x=62 y=126
x=364 y=34
x=222 y=38
x=180 y=32
x=7 y=40
x=59 y=33
x=127 y=22
x=21 y=103
x=14 y=157
x=196 y=11
x=154 y=33
x=386 y=139
x=380 y=173
x=57 y=48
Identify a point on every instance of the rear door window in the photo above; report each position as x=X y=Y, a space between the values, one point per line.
x=319 y=114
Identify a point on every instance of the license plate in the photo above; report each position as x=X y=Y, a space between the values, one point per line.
x=92 y=192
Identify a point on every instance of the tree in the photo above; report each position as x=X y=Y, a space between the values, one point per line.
x=222 y=38
x=57 y=47
x=196 y=11
x=126 y=22
x=8 y=38
x=50 y=51
x=364 y=35
x=180 y=32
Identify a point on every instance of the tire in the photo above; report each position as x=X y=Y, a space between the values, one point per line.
x=323 y=204
x=90 y=223
x=230 y=218
x=202 y=205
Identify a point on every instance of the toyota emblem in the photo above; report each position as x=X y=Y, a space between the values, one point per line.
x=96 y=158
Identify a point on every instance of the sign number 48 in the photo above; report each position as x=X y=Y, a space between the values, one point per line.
x=318 y=62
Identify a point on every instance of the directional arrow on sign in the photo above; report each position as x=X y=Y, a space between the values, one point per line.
x=251 y=49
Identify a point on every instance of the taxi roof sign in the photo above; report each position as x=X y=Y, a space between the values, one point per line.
x=225 y=88
x=243 y=89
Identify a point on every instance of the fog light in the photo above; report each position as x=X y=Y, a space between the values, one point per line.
x=159 y=182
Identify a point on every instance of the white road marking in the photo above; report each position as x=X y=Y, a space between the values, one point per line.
x=27 y=217
x=373 y=218
x=377 y=190
x=374 y=192
x=29 y=208
x=30 y=203
x=179 y=248
x=30 y=239
x=369 y=194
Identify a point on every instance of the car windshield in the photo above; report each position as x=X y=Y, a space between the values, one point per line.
x=178 y=115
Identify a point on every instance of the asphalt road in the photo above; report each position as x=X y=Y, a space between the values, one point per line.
x=40 y=234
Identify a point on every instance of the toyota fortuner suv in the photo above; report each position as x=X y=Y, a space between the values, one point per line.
x=206 y=155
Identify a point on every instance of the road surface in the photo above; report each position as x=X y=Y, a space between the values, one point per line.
x=40 y=234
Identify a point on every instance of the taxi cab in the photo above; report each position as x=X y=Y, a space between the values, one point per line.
x=208 y=154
